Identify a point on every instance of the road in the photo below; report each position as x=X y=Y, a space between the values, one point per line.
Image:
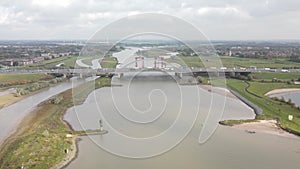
x=124 y=70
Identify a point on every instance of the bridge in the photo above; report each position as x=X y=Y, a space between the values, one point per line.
x=180 y=71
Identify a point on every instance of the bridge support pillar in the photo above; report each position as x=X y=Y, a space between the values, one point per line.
x=120 y=75
x=179 y=74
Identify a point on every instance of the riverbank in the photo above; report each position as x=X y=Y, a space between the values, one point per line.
x=72 y=154
x=218 y=90
x=255 y=92
x=252 y=125
x=13 y=94
x=264 y=126
x=10 y=98
x=41 y=139
x=278 y=91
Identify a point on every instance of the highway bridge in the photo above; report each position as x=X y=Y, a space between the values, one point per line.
x=120 y=71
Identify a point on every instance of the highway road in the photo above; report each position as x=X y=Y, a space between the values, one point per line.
x=124 y=70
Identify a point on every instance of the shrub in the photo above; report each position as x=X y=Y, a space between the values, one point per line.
x=56 y=100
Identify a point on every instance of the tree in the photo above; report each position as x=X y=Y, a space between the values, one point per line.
x=250 y=77
x=289 y=102
x=15 y=63
x=200 y=79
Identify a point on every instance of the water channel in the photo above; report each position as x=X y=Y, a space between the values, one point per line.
x=146 y=107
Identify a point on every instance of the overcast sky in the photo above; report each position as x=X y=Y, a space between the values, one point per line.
x=218 y=19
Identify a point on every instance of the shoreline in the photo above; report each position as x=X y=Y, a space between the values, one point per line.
x=279 y=91
x=266 y=127
x=218 y=90
x=31 y=126
x=20 y=98
x=260 y=126
x=255 y=125
x=71 y=156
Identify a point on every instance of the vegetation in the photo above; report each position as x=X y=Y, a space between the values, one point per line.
x=26 y=89
x=68 y=62
x=276 y=75
x=41 y=140
x=190 y=61
x=109 y=62
x=254 y=91
x=227 y=61
x=152 y=52
x=10 y=80
x=24 y=84
x=8 y=99
x=236 y=122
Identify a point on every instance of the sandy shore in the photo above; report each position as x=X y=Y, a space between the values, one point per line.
x=264 y=126
x=277 y=91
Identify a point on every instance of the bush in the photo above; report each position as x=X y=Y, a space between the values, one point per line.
x=21 y=92
x=200 y=79
x=250 y=77
x=53 y=81
x=56 y=100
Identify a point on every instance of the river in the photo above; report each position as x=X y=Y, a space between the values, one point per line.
x=11 y=116
x=146 y=107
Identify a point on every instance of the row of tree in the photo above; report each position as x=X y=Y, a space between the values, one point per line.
x=20 y=91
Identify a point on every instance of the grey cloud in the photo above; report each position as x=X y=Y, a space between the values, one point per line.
x=219 y=19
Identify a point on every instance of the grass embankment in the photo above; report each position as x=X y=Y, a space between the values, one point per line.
x=109 y=62
x=9 y=80
x=190 y=61
x=40 y=141
x=276 y=75
x=230 y=62
x=153 y=52
x=18 y=81
x=69 y=62
x=254 y=91
x=9 y=99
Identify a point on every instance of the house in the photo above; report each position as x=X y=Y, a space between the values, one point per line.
x=7 y=62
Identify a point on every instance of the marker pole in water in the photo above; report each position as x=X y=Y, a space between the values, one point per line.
x=101 y=125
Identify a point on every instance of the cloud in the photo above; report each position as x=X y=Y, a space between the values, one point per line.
x=219 y=19
x=47 y=3
x=95 y=16
x=223 y=11
x=10 y=16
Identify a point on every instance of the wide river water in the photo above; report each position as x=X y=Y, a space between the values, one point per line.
x=146 y=107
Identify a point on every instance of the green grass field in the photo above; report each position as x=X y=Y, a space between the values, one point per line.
x=190 y=61
x=272 y=109
x=24 y=77
x=259 y=63
x=40 y=141
x=278 y=75
x=153 y=52
x=230 y=62
x=69 y=62
x=109 y=62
